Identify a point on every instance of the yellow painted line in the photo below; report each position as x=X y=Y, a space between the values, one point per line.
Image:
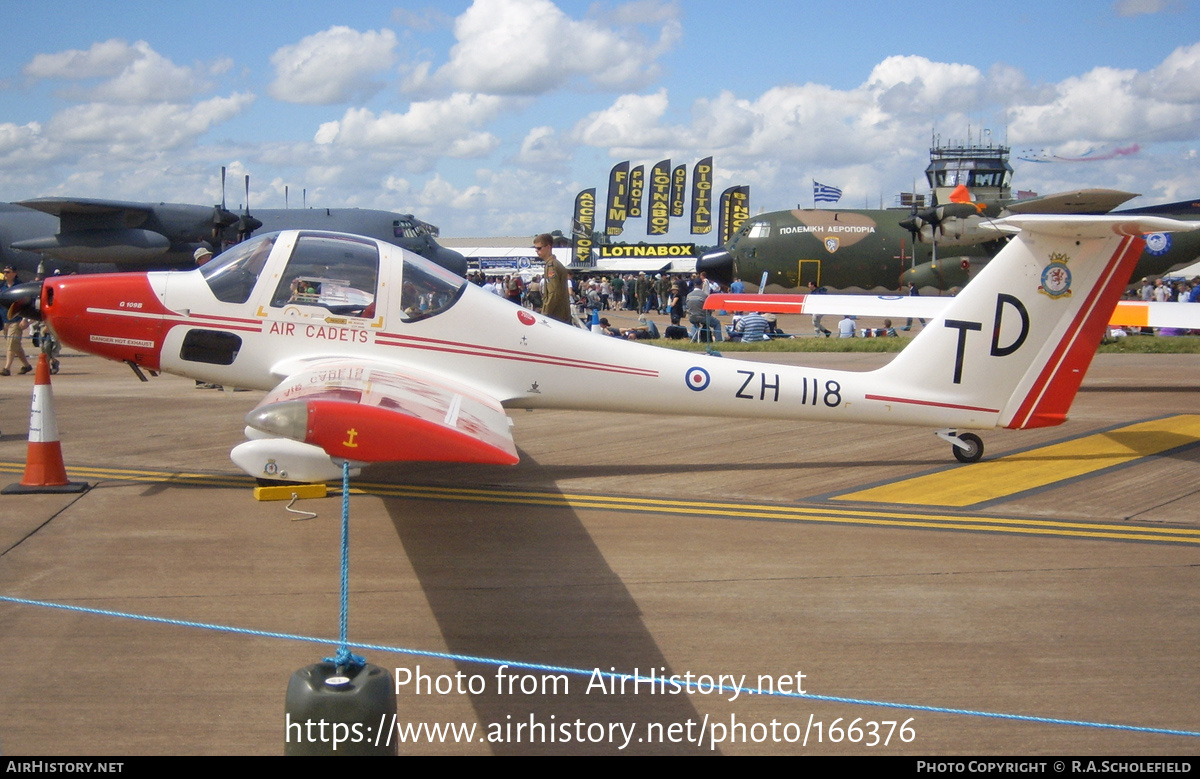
x=822 y=514
x=137 y=474
x=1015 y=473
x=785 y=513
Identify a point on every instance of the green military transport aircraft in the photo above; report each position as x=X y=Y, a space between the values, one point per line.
x=938 y=246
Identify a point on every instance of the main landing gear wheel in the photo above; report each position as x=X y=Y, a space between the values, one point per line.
x=974 y=450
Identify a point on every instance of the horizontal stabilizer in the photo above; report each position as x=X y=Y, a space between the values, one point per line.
x=831 y=305
x=1128 y=313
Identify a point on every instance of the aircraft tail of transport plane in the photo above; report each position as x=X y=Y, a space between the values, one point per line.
x=373 y=354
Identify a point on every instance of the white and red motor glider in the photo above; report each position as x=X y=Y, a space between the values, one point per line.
x=371 y=354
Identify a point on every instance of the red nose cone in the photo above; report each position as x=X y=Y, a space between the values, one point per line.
x=117 y=315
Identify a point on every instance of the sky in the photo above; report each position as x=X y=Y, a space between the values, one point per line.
x=486 y=118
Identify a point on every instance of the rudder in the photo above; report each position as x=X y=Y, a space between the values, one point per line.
x=1012 y=349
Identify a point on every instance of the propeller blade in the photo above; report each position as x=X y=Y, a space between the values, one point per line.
x=22 y=300
x=246 y=223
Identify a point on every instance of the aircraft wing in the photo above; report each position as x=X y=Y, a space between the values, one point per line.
x=1084 y=201
x=1129 y=313
x=84 y=213
x=378 y=412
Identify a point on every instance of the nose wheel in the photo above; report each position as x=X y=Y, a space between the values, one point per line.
x=967 y=447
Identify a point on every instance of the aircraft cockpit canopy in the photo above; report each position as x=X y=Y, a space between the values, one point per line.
x=336 y=272
x=408 y=226
x=232 y=275
x=427 y=289
x=758 y=229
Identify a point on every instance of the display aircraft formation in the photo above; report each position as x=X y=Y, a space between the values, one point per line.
x=370 y=353
x=63 y=234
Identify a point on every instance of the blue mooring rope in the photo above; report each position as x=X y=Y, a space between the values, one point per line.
x=590 y=672
x=345 y=659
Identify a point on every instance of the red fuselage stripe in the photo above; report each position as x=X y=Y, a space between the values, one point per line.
x=914 y=402
x=450 y=347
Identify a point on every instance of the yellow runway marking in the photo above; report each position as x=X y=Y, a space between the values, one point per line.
x=824 y=514
x=1007 y=476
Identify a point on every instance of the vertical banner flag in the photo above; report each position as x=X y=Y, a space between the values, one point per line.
x=582 y=226
x=739 y=204
x=636 y=184
x=660 y=199
x=723 y=217
x=702 y=197
x=678 y=190
x=735 y=209
x=618 y=199
x=823 y=193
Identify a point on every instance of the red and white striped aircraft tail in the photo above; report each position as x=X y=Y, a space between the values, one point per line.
x=1015 y=344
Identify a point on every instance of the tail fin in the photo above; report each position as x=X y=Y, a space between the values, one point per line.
x=1014 y=346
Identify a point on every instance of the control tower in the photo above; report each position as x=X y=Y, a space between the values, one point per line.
x=983 y=168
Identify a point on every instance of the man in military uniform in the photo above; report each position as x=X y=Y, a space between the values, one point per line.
x=556 y=299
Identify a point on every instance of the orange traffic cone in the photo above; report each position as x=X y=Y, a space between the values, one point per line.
x=44 y=469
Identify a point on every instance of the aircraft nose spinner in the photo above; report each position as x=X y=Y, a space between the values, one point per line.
x=118 y=316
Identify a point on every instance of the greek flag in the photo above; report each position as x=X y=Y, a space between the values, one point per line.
x=823 y=193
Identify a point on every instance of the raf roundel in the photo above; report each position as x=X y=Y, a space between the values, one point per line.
x=697 y=379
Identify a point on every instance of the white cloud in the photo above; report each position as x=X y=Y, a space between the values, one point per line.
x=135 y=73
x=541 y=148
x=103 y=59
x=1105 y=104
x=14 y=137
x=632 y=123
x=154 y=127
x=25 y=154
x=499 y=202
x=150 y=78
x=424 y=20
x=428 y=123
x=531 y=47
x=427 y=130
x=919 y=86
x=332 y=66
x=438 y=192
x=1177 y=79
x=1139 y=7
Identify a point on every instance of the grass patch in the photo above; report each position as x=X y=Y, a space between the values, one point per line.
x=1151 y=344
